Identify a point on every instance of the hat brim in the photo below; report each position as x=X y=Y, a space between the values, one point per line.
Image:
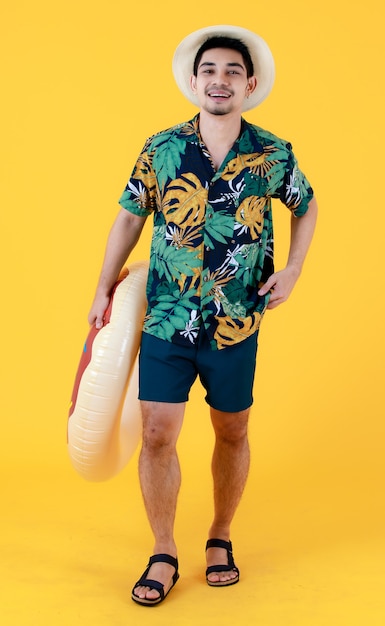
x=263 y=61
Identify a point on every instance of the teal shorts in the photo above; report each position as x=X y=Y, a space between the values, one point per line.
x=167 y=371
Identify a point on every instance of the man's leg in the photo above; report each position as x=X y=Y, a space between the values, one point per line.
x=159 y=474
x=230 y=467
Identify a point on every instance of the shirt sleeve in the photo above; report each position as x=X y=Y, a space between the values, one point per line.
x=295 y=191
x=139 y=195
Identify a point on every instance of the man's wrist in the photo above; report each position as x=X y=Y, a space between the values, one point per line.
x=295 y=268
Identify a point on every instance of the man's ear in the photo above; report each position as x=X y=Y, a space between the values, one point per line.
x=193 y=83
x=251 y=85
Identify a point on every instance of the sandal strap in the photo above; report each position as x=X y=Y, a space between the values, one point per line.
x=155 y=584
x=219 y=543
x=227 y=545
x=214 y=569
x=152 y=584
x=163 y=558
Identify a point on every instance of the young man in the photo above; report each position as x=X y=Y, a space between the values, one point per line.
x=209 y=184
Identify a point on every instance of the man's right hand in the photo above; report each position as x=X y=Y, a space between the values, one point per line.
x=123 y=237
x=98 y=309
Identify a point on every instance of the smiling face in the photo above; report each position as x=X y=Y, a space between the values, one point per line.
x=221 y=83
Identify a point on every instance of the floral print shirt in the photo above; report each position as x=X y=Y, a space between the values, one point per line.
x=212 y=243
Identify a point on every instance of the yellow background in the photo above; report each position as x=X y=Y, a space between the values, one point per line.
x=83 y=84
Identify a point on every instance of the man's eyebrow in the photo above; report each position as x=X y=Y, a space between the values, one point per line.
x=210 y=64
x=236 y=65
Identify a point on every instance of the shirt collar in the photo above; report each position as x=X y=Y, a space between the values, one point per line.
x=195 y=125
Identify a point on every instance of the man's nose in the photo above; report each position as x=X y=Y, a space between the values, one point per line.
x=221 y=78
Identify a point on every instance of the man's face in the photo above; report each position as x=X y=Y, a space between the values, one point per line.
x=221 y=83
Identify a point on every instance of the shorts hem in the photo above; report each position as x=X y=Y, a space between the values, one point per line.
x=231 y=410
x=146 y=399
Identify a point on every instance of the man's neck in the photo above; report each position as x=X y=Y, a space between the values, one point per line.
x=219 y=130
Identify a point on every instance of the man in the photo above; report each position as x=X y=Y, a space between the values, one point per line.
x=209 y=184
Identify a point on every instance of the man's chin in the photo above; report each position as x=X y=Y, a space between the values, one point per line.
x=218 y=110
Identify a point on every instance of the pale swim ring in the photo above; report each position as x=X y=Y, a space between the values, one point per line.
x=104 y=423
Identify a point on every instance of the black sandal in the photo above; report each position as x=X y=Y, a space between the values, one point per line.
x=230 y=567
x=154 y=584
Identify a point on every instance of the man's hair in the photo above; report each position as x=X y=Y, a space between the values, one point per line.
x=220 y=41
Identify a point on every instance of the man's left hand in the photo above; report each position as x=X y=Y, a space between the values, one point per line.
x=280 y=284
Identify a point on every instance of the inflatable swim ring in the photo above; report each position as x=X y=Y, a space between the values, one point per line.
x=104 y=423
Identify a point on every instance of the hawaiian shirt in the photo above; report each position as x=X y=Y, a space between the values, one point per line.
x=212 y=242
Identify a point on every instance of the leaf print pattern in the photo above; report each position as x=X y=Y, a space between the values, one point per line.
x=217 y=228
x=172 y=263
x=250 y=162
x=247 y=263
x=212 y=290
x=170 y=312
x=212 y=244
x=230 y=332
x=167 y=159
x=250 y=215
x=185 y=200
x=183 y=237
x=191 y=328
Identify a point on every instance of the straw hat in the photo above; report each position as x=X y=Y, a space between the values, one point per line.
x=264 y=69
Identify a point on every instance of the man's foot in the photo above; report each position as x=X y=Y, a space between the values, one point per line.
x=156 y=581
x=219 y=573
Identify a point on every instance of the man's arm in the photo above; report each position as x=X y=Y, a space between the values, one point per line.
x=123 y=237
x=281 y=283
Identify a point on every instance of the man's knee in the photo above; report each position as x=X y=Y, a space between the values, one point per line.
x=230 y=427
x=161 y=423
